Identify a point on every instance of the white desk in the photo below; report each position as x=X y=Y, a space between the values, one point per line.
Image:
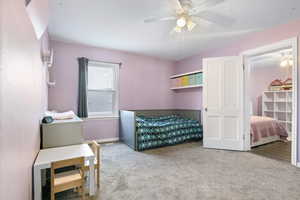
x=46 y=156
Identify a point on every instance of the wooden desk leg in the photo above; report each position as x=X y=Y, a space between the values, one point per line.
x=92 y=176
x=37 y=183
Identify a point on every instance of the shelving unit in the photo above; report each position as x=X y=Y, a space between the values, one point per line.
x=278 y=105
x=187 y=80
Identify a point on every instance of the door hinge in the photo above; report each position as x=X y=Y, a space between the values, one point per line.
x=244 y=67
x=244 y=137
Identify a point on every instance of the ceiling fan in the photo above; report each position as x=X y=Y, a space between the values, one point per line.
x=186 y=15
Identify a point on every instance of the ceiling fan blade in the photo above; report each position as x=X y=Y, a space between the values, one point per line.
x=210 y=3
x=205 y=4
x=215 y=18
x=225 y=34
x=157 y=19
x=178 y=6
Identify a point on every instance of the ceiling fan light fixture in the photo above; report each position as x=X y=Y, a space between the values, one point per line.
x=283 y=63
x=181 y=22
x=191 y=25
x=286 y=60
x=177 y=29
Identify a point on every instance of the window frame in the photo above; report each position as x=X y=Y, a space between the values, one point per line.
x=115 y=91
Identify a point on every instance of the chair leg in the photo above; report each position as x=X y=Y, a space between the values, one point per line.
x=82 y=193
x=98 y=177
x=52 y=195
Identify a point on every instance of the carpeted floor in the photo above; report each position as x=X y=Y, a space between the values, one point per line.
x=277 y=150
x=191 y=172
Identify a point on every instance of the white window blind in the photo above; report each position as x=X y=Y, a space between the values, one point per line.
x=103 y=95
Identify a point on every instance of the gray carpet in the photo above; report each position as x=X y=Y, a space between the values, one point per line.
x=190 y=172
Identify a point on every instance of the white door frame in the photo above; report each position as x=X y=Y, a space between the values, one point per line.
x=290 y=43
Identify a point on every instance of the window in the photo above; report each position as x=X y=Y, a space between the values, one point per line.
x=102 y=93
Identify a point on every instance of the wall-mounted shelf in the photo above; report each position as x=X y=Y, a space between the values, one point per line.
x=192 y=79
x=184 y=87
x=185 y=74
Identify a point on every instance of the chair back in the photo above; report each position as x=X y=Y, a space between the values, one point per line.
x=68 y=163
x=96 y=150
x=75 y=162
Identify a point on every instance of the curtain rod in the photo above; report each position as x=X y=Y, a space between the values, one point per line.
x=105 y=62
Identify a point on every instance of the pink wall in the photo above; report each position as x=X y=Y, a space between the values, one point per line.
x=144 y=83
x=250 y=41
x=188 y=98
x=261 y=76
x=23 y=93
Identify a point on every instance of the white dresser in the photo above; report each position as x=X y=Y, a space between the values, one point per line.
x=62 y=133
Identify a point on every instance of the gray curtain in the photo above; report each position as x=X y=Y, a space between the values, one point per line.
x=82 y=92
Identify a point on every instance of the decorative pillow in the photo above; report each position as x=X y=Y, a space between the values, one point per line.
x=275 y=85
x=276 y=82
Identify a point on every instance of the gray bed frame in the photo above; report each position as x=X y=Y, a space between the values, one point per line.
x=128 y=121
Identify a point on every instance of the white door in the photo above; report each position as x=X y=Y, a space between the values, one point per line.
x=223 y=103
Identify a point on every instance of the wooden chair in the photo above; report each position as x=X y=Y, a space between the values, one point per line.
x=96 y=150
x=72 y=179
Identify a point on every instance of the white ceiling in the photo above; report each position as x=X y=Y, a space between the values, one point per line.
x=118 y=24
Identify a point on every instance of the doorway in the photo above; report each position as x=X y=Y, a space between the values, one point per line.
x=271 y=100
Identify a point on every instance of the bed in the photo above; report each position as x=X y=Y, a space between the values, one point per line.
x=266 y=130
x=147 y=129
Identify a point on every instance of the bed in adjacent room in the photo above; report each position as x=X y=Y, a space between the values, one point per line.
x=149 y=129
x=266 y=130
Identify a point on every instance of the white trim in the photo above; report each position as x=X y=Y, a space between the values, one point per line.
x=101 y=114
x=108 y=140
x=298 y=164
x=290 y=43
x=284 y=44
x=188 y=73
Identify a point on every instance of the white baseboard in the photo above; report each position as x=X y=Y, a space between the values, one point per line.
x=107 y=140
x=298 y=164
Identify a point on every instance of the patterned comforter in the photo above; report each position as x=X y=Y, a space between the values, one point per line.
x=165 y=130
